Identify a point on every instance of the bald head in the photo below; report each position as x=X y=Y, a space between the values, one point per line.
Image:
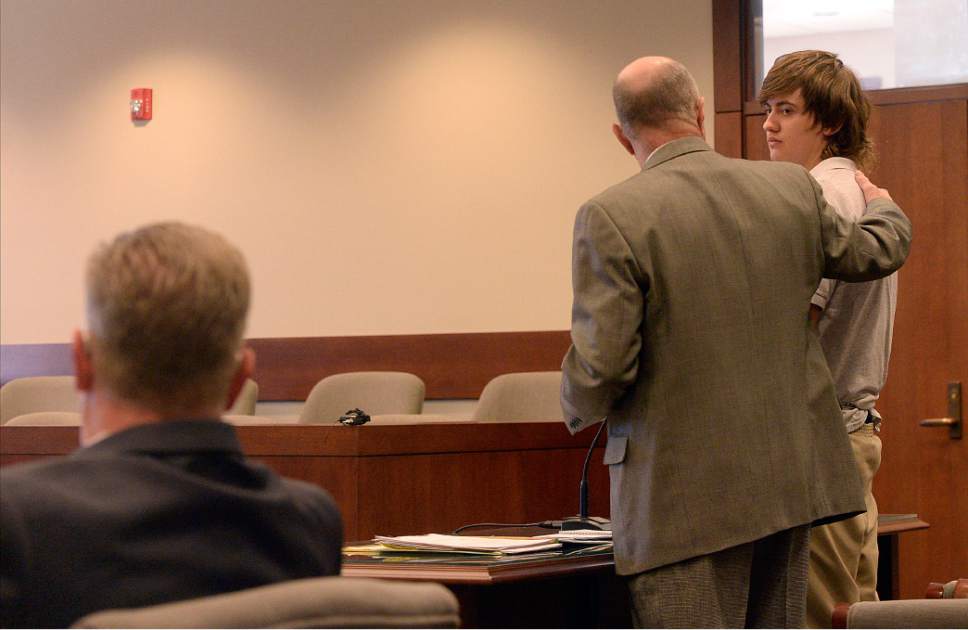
x=656 y=93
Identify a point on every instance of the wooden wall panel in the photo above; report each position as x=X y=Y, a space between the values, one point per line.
x=727 y=58
x=929 y=94
x=20 y=444
x=452 y=365
x=729 y=134
x=898 y=96
x=755 y=138
x=493 y=486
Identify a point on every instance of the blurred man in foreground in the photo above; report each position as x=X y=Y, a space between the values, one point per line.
x=159 y=504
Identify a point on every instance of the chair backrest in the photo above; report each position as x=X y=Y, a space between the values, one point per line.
x=38 y=393
x=34 y=394
x=244 y=404
x=46 y=419
x=904 y=613
x=373 y=392
x=329 y=602
x=522 y=396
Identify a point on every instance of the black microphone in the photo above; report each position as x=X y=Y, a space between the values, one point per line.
x=583 y=521
x=354 y=418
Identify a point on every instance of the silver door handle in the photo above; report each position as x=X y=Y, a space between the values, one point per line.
x=938 y=422
x=953 y=419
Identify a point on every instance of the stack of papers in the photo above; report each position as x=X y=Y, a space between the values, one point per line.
x=580 y=536
x=492 y=545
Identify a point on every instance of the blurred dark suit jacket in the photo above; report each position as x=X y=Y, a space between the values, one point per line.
x=156 y=513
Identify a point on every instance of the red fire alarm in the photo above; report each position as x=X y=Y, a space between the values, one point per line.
x=141 y=104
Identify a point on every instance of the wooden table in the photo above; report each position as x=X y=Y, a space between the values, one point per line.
x=889 y=527
x=546 y=591
x=575 y=591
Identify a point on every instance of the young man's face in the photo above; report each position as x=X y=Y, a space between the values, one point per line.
x=791 y=132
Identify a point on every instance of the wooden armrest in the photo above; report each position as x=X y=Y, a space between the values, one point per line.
x=961 y=589
x=839 y=617
x=956 y=589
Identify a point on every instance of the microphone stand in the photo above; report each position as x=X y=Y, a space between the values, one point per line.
x=583 y=521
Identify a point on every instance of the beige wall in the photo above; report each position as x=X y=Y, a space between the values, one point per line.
x=387 y=167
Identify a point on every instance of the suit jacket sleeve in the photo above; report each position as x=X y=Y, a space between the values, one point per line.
x=874 y=246
x=325 y=522
x=606 y=320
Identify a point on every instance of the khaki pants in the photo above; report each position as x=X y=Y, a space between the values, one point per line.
x=843 y=555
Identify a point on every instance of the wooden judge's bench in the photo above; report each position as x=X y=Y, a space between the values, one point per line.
x=405 y=479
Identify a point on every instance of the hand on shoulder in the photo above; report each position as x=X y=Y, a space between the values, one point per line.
x=870 y=190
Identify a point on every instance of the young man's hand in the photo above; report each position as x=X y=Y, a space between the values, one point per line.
x=871 y=191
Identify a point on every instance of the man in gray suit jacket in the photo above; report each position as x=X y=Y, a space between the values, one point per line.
x=692 y=286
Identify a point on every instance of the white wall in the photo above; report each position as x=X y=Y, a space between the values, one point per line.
x=387 y=167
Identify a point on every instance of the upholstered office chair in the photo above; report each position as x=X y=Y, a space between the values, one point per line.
x=46 y=419
x=329 y=602
x=904 y=613
x=523 y=396
x=945 y=606
x=375 y=393
x=244 y=404
x=38 y=393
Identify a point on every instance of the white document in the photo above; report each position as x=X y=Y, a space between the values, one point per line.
x=579 y=535
x=486 y=544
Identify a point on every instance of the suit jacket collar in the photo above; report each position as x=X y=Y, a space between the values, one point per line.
x=170 y=436
x=672 y=150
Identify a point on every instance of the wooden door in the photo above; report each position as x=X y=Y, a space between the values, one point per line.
x=923 y=160
x=922 y=150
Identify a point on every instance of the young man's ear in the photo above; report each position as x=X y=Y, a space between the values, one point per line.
x=620 y=136
x=242 y=373
x=829 y=131
x=83 y=365
x=701 y=116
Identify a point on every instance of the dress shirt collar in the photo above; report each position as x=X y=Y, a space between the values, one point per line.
x=833 y=164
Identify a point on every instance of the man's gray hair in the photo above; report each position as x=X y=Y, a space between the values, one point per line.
x=167 y=305
x=671 y=95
